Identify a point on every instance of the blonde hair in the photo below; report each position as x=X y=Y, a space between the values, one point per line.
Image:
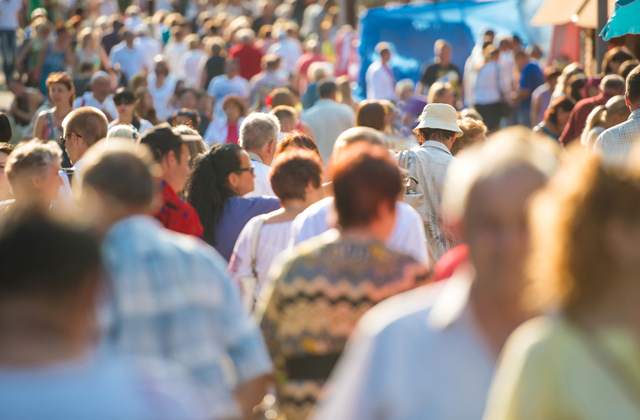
x=437 y=90
x=32 y=158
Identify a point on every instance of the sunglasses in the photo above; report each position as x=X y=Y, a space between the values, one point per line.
x=123 y=101
x=63 y=138
x=250 y=169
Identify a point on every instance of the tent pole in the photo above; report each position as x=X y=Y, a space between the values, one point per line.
x=601 y=44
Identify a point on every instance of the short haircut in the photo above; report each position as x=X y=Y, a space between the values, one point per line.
x=285 y=113
x=436 y=91
x=627 y=67
x=612 y=82
x=32 y=158
x=296 y=140
x=371 y=113
x=519 y=53
x=357 y=134
x=439 y=45
x=404 y=85
x=293 y=171
x=88 y=122
x=364 y=176
x=282 y=96
x=326 y=88
x=633 y=86
x=122 y=171
x=471 y=128
x=6 y=148
x=258 y=130
x=49 y=272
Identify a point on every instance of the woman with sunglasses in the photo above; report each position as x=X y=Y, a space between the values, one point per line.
x=220 y=179
x=125 y=103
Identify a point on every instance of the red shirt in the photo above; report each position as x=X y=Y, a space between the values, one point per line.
x=178 y=215
x=578 y=117
x=450 y=261
x=303 y=64
x=249 y=57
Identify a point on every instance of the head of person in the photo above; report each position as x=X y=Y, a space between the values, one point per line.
x=193 y=140
x=371 y=113
x=438 y=122
x=296 y=176
x=188 y=98
x=32 y=170
x=558 y=113
x=535 y=51
x=404 y=89
x=366 y=184
x=125 y=102
x=127 y=36
x=568 y=72
x=441 y=93
x=270 y=62
x=551 y=75
x=122 y=131
x=61 y=89
x=83 y=127
x=86 y=38
x=327 y=89
x=632 y=93
x=246 y=36
x=281 y=96
x=16 y=86
x=485 y=199
x=234 y=108
x=614 y=58
x=385 y=52
x=5 y=128
x=442 y=50
x=473 y=133
x=521 y=58
x=575 y=88
x=161 y=68
x=470 y=113
x=185 y=116
x=116 y=23
x=616 y=111
x=62 y=34
x=100 y=85
x=138 y=81
x=231 y=68
x=224 y=171
x=5 y=188
x=355 y=135
x=259 y=135
x=626 y=67
x=318 y=71
x=288 y=117
x=612 y=85
x=144 y=102
x=171 y=153
x=296 y=140
x=193 y=41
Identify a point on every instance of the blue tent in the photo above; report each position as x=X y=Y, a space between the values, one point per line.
x=624 y=20
x=411 y=30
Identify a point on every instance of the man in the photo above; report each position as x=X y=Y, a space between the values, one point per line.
x=288 y=118
x=259 y=137
x=616 y=143
x=192 y=62
x=328 y=119
x=99 y=97
x=48 y=356
x=113 y=36
x=226 y=84
x=610 y=86
x=175 y=49
x=150 y=47
x=248 y=55
x=287 y=47
x=441 y=70
x=313 y=55
x=82 y=128
x=430 y=353
x=381 y=83
x=541 y=97
x=162 y=86
x=9 y=24
x=268 y=79
x=172 y=154
x=169 y=295
x=530 y=78
x=129 y=57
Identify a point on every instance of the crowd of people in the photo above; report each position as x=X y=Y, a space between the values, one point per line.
x=200 y=218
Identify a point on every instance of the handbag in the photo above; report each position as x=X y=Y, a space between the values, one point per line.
x=249 y=283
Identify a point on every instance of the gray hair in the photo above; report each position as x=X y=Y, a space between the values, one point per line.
x=404 y=84
x=32 y=158
x=355 y=134
x=123 y=131
x=612 y=82
x=258 y=130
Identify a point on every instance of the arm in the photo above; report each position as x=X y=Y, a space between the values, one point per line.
x=24 y=52
x=251 y=393
x=38 y=130
x=104 y=59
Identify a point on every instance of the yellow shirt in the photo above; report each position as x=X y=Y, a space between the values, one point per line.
x=549 y=370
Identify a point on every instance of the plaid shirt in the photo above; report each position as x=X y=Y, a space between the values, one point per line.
x=171 y=299
x=616 y=143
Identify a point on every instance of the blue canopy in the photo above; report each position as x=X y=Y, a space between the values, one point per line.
x=625 y=19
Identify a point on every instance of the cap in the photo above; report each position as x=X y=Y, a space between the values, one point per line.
x=439 y=116
x=161 y=139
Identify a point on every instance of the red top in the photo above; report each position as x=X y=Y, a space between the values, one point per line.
x=578 y=117
x=178 y=215
x=303 y=64
x=232 y=134
x=249 y=57
x=450 y=261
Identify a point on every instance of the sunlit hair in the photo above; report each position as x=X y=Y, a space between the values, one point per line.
x=551 y=114
x=293 y=171
x=371 y=113
x=296 y=140
x=32 y=158
x=471 y=128
x=122 y=131
x=62 y=78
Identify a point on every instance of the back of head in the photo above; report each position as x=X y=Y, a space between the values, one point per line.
x=613 y=84
x=122 y=131
x=285 y=114
x=357 y=134
x=193 y=140
x=471 y=128
x=161 y=140
x=88 y=122
x=5 y=128
x=293 y=171
x=32 y=158
x=258 y=130
x=282 y=96
x=296 y=140
x=371 y=113
x=627 y=67
x=633 y=86
x=327 y=88
x=551 y=114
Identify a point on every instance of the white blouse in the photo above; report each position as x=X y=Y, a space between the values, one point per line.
x=486 y=84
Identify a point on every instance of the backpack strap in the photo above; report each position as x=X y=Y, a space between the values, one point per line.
x=254 y=246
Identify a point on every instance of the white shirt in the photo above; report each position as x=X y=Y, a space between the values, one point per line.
x=418 y=355
x=289 y=51
x=218 y=130
x=407 y=236
x=173 y=53
x=162 y=95
x=380 y=82
x=131 y=60
x=9 y=14
x=486 y=84
x=89 y=100
x=262 y=182
x=191 y=67
x=133 y=22
x=328 y=119
x=221 y=86
x=150 y=47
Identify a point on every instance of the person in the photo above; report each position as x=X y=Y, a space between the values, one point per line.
x=126 y=103
x=33 y=173
x=123 y=132
x=379 y=77
x=268 y=79
x=194 y=142
x=610 y=86
x=317 y=293
x=440 y=70
x=372 y=114
x=488 y=90
x=5 y=188
x=408 y=235
x=474 y=132
x=428 y=164
x=344 y=88
x=317 y=72
x=89 y=51
x=82 y=128
x=214 y=66
x=616 y=143
x=145 y=107
x=288 y=118
x=313 y=55
x=614 y=112
x=441 y=93
x=112 y=36
x=541 y=97
x=296 y=140
x=99 y=97
x=175 y=49
x=563 y=81
x=150 y=46
x=296 y=179
x=287 y=47
x=55 y=57
x=10 y=11
x=626 y=67
x=580 y=361
x=172 y=155
x=461 y=323
x=49 y=355
x=192 y=62
x=614 y=58
x=577 y=85
x=259 y=138
x=161 y=85
x=130 y=58
x=530 y=78
x=248 y=55
x=26 y=102
x=203 y=330
x=229 y=83
x=216 y=190
x=326 y=109
x=227 y=128
x=555 y=119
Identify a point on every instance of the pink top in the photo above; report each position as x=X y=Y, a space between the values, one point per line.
x=232 y=134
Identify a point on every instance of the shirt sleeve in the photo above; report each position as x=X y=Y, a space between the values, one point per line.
x=568 y=134
x=240 y=263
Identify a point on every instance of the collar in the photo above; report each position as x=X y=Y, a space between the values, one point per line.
x=635 y=115
x=452 y=304
x=169 y=191
x=437 y=145
x=254 y=157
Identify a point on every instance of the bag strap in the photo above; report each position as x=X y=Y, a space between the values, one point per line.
x=254 y=246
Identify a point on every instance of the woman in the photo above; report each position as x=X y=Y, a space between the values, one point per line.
x=488 y=95
x=89 y=51
x=125 y=105
x=441 y=93
x=614 y=112
x=32 y=49
x=296 y=179
x=185 y=116
x=555 y=118
x=145 y=107
x=57 y=56
x=48 y=125
x=162 y=87
x=320 y=291
x=218 y=183
x=194 y=143
x=344 y=88
x=372 y=114
x=582 y=362
x=25 y=104
x=563 y=81
x=576 y=87
x=227 y=128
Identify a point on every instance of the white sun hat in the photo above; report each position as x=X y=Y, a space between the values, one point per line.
x=440 y=116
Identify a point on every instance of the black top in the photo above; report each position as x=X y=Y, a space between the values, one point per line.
x=214 y=67
x=435 y=72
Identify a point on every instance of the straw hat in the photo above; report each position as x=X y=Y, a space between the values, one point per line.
x=440 y=116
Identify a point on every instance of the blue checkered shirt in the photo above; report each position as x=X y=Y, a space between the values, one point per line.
x=616 y=143
x=171 y=299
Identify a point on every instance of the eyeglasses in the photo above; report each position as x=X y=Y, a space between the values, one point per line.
x=250 y=169
x=63 y=138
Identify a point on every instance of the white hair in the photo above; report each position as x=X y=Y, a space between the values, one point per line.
x=257 y=130
x=123 y=132
x=403 y=85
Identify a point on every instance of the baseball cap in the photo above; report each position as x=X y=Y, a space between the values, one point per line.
x=439 y=116
x=161 y=140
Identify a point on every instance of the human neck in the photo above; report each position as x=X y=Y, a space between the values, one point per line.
x=125 y=119
x=264 y=157
x=62 y=110
x=100 y=98
x=160 y=78
x=365 y=233
x=634 y=107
